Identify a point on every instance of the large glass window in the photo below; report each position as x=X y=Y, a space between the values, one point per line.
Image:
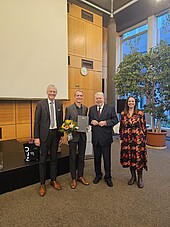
x=163 y=28
x=163 y=33
x=135 y=39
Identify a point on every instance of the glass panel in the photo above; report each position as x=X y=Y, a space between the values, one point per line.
x=135 y=31
x=163 y=32
x=138 y=43
x=135 y=41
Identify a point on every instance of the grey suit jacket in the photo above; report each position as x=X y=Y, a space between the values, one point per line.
x=42 y=119
x=103 y=135
x=71 y=114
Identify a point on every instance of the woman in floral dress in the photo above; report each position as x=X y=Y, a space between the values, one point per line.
x=133 y=141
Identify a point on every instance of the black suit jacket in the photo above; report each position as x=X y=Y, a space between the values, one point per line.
x=71 y=114
x=103 y=135
x=42 y=119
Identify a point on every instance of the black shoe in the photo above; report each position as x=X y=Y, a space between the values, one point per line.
x=96 y=180
x=109 y=183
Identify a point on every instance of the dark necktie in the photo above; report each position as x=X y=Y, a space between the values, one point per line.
x=98 y=112
x=52 y=114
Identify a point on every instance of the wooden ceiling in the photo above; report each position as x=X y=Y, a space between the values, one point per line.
x=133 y=14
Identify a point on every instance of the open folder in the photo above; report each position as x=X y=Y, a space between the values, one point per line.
x=83 y=123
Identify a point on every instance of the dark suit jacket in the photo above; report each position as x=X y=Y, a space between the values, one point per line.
x=103 y=135
x=42 y=119
x=71 y=114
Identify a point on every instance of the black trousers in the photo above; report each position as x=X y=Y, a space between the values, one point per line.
x=104 y=151
x=73 y=146
x=50 y=145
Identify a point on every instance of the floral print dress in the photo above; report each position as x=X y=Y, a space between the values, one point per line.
x=133 y=135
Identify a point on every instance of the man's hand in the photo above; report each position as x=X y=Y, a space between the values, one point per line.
x=61 y=140
x=102 y=123
x=94 y=122
x=88 y=127
x=37 y=142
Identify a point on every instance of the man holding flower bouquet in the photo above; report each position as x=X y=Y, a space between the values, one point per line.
x=78 y=139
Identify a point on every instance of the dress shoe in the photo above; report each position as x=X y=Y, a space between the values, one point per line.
x=96 y=180
x=109 y=183
x=83 y=181
x=42 y=190
x=73 y=184
x=56 y=185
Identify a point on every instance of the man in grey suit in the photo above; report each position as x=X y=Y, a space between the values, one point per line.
x=48 y=119
x=102 y=118
x=79 y=140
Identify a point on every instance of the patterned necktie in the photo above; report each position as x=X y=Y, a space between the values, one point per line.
x=52 y=114
x=98 y=112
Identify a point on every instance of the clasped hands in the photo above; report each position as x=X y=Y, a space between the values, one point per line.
x=100 y=123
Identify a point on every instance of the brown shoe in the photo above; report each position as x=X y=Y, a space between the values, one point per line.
x=56 y=185
x=42 y=190
x=73 y=184
x=83 y=181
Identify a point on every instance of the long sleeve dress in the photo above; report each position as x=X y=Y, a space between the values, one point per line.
x=133 y=135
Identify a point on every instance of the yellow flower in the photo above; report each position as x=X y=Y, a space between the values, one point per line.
x=67 y=122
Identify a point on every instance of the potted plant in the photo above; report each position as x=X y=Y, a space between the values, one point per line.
x=148 y=75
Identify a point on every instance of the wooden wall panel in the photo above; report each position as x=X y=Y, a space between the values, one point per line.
x=23 y=131
x=97 y=66
x=87 y=82
x=93 y=42
x=98 y=81
x=75 y=61
x=33 y=107
x=76 y=36
x=7 y=112
x=8 y=132
x=97 y=20
x=23 y=112
x=77 y=81
x=73 y=78
x=89 y=98
x=75 y=10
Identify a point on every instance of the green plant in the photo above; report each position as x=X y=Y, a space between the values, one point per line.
x=148 y=75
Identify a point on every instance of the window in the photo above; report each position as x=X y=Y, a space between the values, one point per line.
x=163 y=33
x=135 y=39
x=163 y=28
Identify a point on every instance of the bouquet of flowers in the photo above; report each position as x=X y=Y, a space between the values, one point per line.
x=68 y=127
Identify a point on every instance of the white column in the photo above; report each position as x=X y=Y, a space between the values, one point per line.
x=152 y=32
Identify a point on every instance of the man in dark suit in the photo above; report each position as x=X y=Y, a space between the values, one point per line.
x=48 y=119
x=102 y=118
x=79 y=140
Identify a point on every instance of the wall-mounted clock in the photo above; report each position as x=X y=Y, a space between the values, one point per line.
x=83 y=71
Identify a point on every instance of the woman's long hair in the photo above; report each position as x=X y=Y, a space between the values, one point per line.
x=126 y=108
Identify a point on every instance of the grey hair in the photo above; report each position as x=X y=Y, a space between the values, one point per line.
x=51 y=86
x=99 y=93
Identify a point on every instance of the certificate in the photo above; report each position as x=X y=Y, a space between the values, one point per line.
x=83 y=123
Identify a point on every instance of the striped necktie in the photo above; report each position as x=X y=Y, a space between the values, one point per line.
x=52 y=114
